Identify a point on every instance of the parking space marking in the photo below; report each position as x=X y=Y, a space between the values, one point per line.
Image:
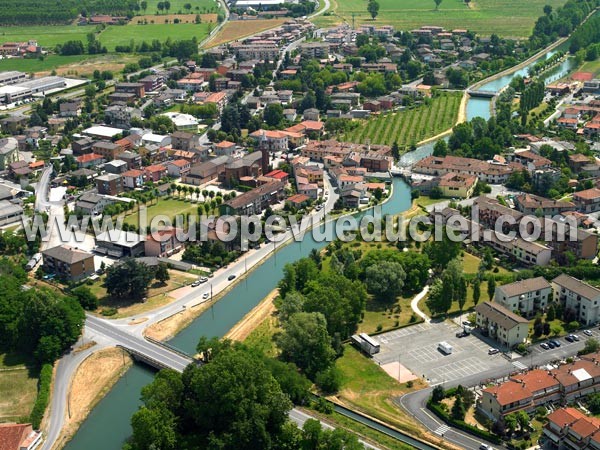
x=458 y=369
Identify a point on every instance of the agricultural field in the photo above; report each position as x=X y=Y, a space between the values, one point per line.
x=123 y=35
x=410 y=126
x=46 y=35
x=76 y=65
x=238 y=29
x=511 y=18
x=178 y=7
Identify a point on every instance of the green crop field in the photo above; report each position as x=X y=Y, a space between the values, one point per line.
x=410 y=126
x=49 y=62
x=50 y=35
x=504 y=17
x=46 y=35
x=122 y=35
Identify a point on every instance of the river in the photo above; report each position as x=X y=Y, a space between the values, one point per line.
x=108 y=425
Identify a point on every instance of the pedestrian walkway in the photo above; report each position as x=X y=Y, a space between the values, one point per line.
x=442 y=430
x=519 y=365
x=414 y=304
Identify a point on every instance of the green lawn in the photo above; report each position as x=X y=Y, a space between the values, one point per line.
x=410 y=126
x=504 y=17
x=168 y=207
x=18 y=387
x=49 y=62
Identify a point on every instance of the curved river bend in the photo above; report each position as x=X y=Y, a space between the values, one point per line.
x=108 y=425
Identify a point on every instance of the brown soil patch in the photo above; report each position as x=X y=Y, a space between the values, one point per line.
x=261 y=312
x=94 y=378
x=184 y=18
x=138 y=321
x=238 y=29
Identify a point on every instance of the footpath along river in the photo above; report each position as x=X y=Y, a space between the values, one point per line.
x=108 y=425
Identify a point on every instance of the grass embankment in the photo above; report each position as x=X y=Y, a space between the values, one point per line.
x=366 y=387
x=507 y=18
x=409 y=126
x=18 y=386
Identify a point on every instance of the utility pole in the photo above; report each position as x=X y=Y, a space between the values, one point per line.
x=354 y=21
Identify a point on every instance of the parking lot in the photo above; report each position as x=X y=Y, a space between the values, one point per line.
x=416 y=349
x=565 y=344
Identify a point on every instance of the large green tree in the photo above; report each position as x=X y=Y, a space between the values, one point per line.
x=306 y=342
x=373 y=8
x=385 y=280
x=128 y=280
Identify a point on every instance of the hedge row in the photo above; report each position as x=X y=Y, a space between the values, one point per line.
x=461 y=425
x=41 y=402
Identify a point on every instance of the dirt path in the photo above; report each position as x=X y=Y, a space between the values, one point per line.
x=94 y=378
x=254 y=318
x=169 y=327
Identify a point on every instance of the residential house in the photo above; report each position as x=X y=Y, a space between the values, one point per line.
x=68 y=263
x=163 y=243
x=587 y=201
x=19 y=436
x=178 y=168
x=182 y=140
x=224 y=148
x=206 y=171
x=9 y=212
x=579 y=297
x=457 y=185
x=541 y=206
x=133 y=178
x=569 y=428
x=108 y=150
x=527 y=297
x=91 y=204
x=109 y=184
x=70 y=109
x=9 y=152
x=255 y=201
x=89 y=160
x=155 y=172
x=501 y=324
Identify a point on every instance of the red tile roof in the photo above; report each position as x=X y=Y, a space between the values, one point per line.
x=88 y=157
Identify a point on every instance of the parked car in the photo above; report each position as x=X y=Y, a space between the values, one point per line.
x=551 y=344
x=588 y=332
x=202 y=279
x=461 y=334
x=555 y=342
x=485 y=447
x=569 y=338
x=576 y=338
x=493 y=351
x=231 y=277
x=545 y=346
x=196 y=283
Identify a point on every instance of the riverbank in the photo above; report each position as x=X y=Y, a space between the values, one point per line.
x=93 y=379
x=254 y=318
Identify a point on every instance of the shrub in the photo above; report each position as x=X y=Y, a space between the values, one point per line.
x=41 y=402
x=323 y=406
x=107 y=312
x=330 y=380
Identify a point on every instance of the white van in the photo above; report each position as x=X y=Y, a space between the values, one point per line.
x=444 y=347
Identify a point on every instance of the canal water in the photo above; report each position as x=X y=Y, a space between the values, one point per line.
x=108 y=425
